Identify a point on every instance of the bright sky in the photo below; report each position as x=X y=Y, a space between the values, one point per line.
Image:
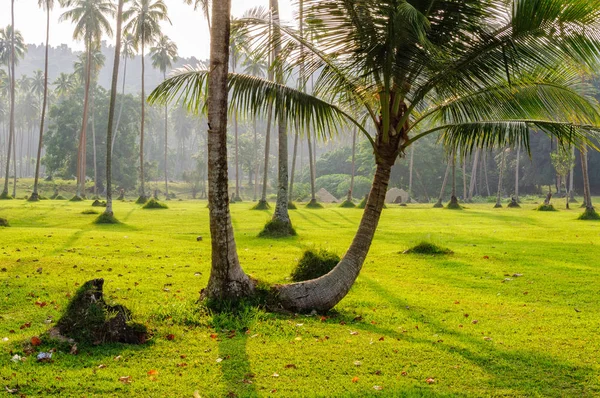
x=189 y=29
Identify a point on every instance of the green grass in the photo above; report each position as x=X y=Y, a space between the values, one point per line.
x=427 y=248
x=464 y=320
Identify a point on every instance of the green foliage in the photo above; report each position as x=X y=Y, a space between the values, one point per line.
x=331 y=182
x=277 y=229
x=3 y=222
x=427 y=248
x=314 y=264
x=362 y=187
x=544 y=207
x=154 y=204
x=98 y=203
x=589 y=214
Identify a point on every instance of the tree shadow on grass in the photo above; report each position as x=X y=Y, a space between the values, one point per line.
x=527 y=373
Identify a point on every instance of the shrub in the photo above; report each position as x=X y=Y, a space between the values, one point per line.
x=362 y=187
x=428 y=248
x=314 y=264
x=154 y=204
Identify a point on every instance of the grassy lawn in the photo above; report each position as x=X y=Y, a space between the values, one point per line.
x=462 y=320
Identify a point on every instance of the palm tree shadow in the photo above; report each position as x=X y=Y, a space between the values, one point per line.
x=525 y=372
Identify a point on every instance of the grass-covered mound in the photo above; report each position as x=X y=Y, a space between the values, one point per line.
x=438 y=205
x=313 y=204
x=453 y=204
x=3 y=222
x=141 y=200
x=106 y=219
x=34 y=198
x=90 y=211
x=314 y=264
x=98 y=203
x=60 y=197
x=88 y=319
x=5 y=196
x=589 y=214
x=348 y=204
x=545 y=207
x=292 y=206
x=261 y=205
x=154 y=204
x=76 y=198
x=277 y=229
x=514 y=204
x=428 y=248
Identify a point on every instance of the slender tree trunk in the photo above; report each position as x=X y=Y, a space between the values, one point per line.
x=256 y=163
x=81 y=160
x=499 y=195
x=464 y=173
x=410 y=170
x=35 y=195
x=441 y=198
x=294 y=154
x=142 y=176
x=93 y=118
x=14 y=192
x=473 y=175
x=453 y=199
x=313 y=197
x=350 y=191
x=166 y=144
x=263 y=197
x=487 y=185
x=116 y=132
x=111 y=111
x=280 y=214
x=11 y=128
x=517 y=172
x=227 y=279
x=587 y=196
x=571 y=175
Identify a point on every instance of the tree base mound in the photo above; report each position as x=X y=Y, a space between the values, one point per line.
x=4 y=222
x=292 y=206
x=141 y=200
x=277 y=229
x=589 y=214
x=313 y=204
x=514 y=205
x=60 y=197
x=544 y=207
x=90 y=211
x=453 y=204
x=314 y=264
x=261 y=205
x=498 y=206
x=105 y=218
x=98 y=203
x=236 y=199
x=348 y=204
x=154 y=204
x=76 y=198
x=438 y=205
x=427 y=248
x=34 y=197
x=5 y=196
x=88 y=319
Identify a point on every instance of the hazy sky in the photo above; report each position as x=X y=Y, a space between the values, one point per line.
x=189 y=29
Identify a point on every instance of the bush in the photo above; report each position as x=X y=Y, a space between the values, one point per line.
x=154 y=204
x=331 y=182
x=141 y=200
x=362 y=187
x=98 y=203
x=428 y=248
x=314 y=264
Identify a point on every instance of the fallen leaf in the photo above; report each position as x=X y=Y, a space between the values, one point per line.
x=196 y=394
x=74 y=350
x=275 y=375
x=125 y=379
x=25 y=325
x=219 y=360
x=182 y=365
x=357 y=363
x=101 y=366
x=170 y=337
x=41 y=304
x=353 y=333
x=291 y=366
x=381 y=338
x=35 y=341
x=118 y=357
x=214 y=335
x=404 y=373
x=377 y=388
x=487 y=338
x=355 y=379
x=430 y=380
x=475 y=322
x=152 y=372
x=485 y=258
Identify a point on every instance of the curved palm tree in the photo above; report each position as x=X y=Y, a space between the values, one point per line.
x=128 y=51
x=204 y=5
x=163 y=54
x=12 y=46
x=144 y=18
x=478 y=72
x=91 y=23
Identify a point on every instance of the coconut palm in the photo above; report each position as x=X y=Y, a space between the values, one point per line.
x=163 y=54
x=478 y=72
x=144 y=18
x=204 y=5
x=91 y=23
x=63 y=84
x=12 y=47
x=128 y=50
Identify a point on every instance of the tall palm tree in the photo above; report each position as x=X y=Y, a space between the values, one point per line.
x=128 y=50
x=236 y=49
x=48 y=5
x=63 y=84
x=417 y=69
x=204 y=5
x=144 y=18
x=163 y=54
x=108 y=216
x=11 y=47
x=91 y=23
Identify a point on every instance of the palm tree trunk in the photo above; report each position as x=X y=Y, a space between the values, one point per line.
x=311 y=165
x=501 y=175
x=353 y=165
x=166 y=144
x=256 y=163
x=464 y=173
x=11 y=128
x=111 y=112
x=410 y=170
x=142 y=177
x=294 y=155
x=571 y=175
x=517 y=173
x=263 y=198
x=487 y=185
x=93 y=118
x=35 y=195
x=325 y=292
x=112 y=148
x=473 y=175
x=227 y=279
x=81 y=160
x=237 y=159
x=441 y=198
x=587 y=196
